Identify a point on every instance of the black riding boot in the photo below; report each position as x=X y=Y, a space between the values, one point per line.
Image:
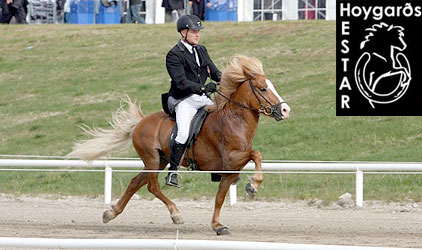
x=176 y=154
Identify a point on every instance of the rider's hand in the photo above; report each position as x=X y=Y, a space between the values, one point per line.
x=210 y=87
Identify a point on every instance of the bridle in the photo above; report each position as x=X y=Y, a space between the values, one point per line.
x=267 y=110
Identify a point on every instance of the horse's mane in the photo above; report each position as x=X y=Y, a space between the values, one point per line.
x=239 y=70
x=381 y=34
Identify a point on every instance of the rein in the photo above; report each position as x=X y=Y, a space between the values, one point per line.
x=238 y=104
x=269 y=110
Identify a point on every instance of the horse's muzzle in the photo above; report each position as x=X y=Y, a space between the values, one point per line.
x=280 y=111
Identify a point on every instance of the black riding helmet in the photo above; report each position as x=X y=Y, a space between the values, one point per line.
x=189 y=22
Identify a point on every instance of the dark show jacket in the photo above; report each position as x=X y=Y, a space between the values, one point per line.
x=173 y=4
x=187 y=77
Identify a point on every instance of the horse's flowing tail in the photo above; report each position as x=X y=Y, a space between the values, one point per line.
x=123 y=122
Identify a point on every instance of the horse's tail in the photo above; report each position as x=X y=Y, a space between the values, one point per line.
x=123 y=122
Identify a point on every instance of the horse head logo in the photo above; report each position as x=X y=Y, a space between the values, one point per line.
x=382 y=72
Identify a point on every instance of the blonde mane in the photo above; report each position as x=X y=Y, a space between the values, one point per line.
x=239 y=70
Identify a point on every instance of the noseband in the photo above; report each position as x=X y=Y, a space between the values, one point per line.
x=267 y=110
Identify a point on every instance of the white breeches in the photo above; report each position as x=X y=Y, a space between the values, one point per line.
x=185 y=111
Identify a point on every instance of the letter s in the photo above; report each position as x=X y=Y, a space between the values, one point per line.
x=345 y=49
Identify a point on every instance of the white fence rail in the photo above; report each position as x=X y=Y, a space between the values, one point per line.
x=168 y=244
x=358 y=168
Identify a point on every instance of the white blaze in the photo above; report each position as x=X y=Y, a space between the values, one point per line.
x=285 y=109
x=272 y=88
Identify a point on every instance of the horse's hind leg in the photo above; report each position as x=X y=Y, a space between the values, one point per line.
x=154 y=188
x=135 y=184
x=257 y=178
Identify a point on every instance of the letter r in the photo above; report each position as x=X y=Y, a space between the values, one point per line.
x=345 y=102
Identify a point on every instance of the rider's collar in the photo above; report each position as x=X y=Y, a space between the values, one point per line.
x=187 y=45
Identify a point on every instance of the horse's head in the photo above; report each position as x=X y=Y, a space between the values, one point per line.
x=244 y=84
x=265 y=98
x=381 y=37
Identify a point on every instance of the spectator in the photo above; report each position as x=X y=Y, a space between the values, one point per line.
x=66 y=9
x=198 y=7
x=170 y=5
x=13 y=8
x=134 y=11
x=60 y=11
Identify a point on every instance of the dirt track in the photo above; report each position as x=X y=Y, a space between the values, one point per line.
x=377 y=224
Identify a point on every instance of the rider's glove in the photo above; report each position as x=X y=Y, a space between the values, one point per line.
x=210 y=87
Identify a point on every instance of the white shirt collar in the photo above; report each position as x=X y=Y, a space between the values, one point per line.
x=187 y=45
x=190 y=48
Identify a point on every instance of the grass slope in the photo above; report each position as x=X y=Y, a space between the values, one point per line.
x=55 y=77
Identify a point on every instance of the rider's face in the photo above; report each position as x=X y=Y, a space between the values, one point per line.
x=191 y=36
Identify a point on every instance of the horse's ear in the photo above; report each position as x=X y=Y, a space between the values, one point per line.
x=249 y=74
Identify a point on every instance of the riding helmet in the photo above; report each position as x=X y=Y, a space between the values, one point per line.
x=189 y=22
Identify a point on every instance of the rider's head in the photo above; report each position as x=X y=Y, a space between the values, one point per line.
x=189 y=26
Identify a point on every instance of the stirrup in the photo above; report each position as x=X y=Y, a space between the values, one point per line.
x=168 y=180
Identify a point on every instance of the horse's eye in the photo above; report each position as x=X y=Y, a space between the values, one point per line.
x=263 y=89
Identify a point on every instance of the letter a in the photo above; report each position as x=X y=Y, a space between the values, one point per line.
x=345 y=84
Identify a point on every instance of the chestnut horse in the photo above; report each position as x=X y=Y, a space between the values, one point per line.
x=224 y=143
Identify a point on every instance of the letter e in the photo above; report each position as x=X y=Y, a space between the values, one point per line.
x=344 y=27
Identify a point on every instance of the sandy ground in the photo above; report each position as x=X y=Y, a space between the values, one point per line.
x=376 y=224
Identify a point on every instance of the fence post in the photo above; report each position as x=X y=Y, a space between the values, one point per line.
x=107 y=184
x=233 y=194
x=359 y=188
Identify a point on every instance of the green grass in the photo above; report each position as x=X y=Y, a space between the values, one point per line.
x=55 y=77
x=197 y=185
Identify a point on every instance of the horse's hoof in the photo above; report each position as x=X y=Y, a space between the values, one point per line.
x=177 y=219
x=222 y=231
x=108 y=215
x=250 y=191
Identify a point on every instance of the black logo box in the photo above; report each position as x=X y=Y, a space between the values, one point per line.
x=353 y=18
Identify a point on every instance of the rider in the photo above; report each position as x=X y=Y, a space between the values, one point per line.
x=188 y=65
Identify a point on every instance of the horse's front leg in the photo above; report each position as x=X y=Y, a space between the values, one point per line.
x=225 y=183
x=258 y=177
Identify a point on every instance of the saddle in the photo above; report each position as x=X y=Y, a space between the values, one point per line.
x=195 y=128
